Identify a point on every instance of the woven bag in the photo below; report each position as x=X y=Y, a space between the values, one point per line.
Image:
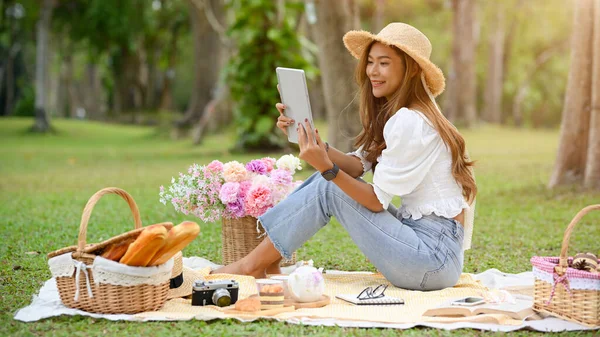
x=77 y=287
x=240 y=237
x=565 y=292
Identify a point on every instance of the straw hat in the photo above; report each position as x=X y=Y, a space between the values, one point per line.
x=182 y=279
x=408 y=39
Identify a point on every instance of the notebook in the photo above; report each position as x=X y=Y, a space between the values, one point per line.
x=385 y=300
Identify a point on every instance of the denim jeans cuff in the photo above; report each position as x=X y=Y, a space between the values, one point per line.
x=283 y=252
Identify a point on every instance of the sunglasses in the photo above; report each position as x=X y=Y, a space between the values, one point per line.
x=370 y=293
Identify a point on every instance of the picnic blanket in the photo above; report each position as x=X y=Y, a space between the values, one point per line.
x=47 y=304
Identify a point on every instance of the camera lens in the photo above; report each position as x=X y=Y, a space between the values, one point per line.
x=221 y=298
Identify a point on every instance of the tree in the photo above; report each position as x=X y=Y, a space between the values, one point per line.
x=207 y=57
x=592 y=168
x=492 y=112
x=462 y=110
x=332 y=20
x=266 y=38
x=42 y=122
x=573 y=162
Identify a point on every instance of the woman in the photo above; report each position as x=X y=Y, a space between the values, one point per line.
x=414 y=152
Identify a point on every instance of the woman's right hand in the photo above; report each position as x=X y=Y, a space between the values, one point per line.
x=283 y=121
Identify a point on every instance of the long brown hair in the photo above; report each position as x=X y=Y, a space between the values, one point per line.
x=375 y=112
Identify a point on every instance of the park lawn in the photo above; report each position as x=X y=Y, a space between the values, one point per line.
x=45 y=180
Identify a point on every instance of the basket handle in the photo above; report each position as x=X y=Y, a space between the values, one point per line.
x=87 y=212
x=563 y=263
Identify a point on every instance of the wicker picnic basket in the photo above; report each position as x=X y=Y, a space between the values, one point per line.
x=80 y=291
x=240 y=237
x=565 y=292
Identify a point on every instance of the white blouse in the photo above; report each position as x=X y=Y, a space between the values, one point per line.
x=417 y=166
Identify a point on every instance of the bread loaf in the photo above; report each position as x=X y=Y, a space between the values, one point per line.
x=116 y=250
x=177 y=239
x=141 y=251
x=250 y=304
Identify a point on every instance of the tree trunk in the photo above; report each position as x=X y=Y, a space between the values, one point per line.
x=378 y=15
x=463 y=55
x=315 y=86
x=42 y=122
x=317 y=99
x=14 y=47
x=494 y=84
x=333 y=20
x=518 y=13
x=10 y=84
x=166 y=97
x=92 y=93
x=448 y=99
x=592 y=168
x=150 y=99
x=123 y=73
x=572 y=151
x=62 y=91
x=74 y=98
x=207 y=54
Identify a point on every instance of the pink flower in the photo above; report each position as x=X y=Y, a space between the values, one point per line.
x=281 y=177
x=257 y=166
x=215 y=166
x=244 y=188
x=258 y=201
x=235 y=209
x=269 y=162
x=229 y=192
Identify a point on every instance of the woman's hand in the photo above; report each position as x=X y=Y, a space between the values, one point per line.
x=312 y=148
x=283 y=121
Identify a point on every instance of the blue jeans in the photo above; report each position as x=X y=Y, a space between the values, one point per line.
x=423 y=254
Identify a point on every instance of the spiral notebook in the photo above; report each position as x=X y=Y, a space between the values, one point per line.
x=385 y=300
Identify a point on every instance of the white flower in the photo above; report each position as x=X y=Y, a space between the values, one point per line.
x=260 y=180
x=289 y=162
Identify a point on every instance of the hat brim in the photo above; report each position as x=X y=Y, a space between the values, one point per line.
x=185 y=289
x=356 y=41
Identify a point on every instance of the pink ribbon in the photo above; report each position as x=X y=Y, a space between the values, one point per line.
x=562 y=280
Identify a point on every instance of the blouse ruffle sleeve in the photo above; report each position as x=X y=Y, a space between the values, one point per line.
x=360 y=154
x=412 y=146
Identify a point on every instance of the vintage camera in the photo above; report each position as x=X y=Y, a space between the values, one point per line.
x=218 y=292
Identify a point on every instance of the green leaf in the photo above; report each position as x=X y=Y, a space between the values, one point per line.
x=264 y=125
x=273 y=34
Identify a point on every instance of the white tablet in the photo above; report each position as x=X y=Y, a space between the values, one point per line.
x=294 y=95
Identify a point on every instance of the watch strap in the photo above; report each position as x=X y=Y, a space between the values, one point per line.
x=331 y=173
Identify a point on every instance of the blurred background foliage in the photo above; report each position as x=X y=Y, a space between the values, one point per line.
x=152 y=62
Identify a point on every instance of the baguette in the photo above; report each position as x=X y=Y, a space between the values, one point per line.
x=116 y=251
x=177 y=239
x=145 y=246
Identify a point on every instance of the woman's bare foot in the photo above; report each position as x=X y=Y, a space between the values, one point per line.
x=240 y=268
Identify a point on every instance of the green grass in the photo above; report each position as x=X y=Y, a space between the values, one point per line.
x=45 y=180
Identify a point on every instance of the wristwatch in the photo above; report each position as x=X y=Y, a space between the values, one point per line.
x=331 y=173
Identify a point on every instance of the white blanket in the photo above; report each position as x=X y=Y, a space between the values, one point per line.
x=47 y=304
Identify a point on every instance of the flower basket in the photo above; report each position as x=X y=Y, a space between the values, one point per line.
x=240 y=237
x=565 y=292
x=91 y=283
